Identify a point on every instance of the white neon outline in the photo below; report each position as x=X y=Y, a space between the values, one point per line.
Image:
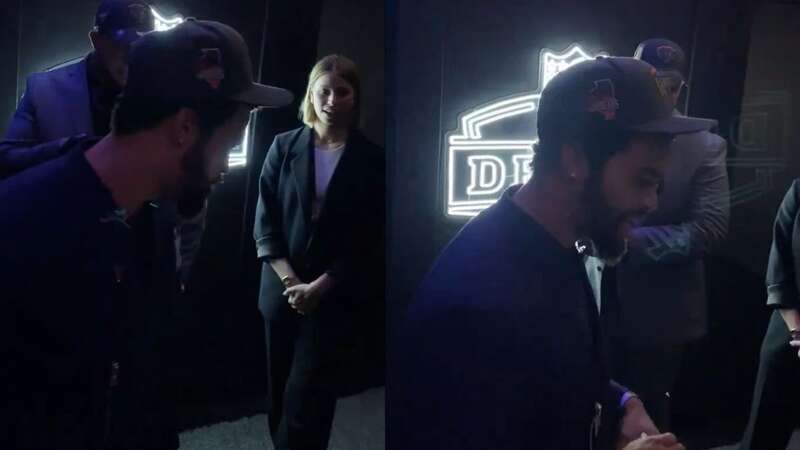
x=478 y=184
x=469 y=136
x=451 y=202
x=165 y=23
x=572 y=55
x=240 y=158
x=472 y=121
x=522 y=165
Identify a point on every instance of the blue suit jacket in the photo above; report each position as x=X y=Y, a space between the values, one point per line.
x=55 y=105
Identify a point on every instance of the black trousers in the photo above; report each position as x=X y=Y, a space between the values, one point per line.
x=775 y=411
x=301 y=403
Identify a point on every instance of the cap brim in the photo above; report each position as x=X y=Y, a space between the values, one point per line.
x=676 y=125
x=262 y=95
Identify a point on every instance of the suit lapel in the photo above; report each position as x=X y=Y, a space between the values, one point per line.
x=303 y=171
x=77 y=97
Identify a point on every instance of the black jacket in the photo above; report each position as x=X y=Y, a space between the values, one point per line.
x=782 y=274
x=347 y=240
x=82 y=293
x=501 y=348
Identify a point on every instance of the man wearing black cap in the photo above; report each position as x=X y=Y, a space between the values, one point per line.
x=79 y=314
x=661 y=282
x=501 y=347
x=78 y=98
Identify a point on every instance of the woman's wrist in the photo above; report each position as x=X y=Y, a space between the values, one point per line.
x=324 y=282
x=289 y=280
x=795 y=334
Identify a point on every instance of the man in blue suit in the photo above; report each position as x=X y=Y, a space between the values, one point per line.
x=78 y=98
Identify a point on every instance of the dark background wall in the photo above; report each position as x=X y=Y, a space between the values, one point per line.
x=448 y=57
x=223 y=345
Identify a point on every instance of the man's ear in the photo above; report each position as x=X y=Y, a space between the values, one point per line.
x=574 y=165
x=183 y=129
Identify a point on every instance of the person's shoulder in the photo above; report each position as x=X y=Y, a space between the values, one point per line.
x=370 y=153
x=63 y=72
x=32 y=185
x=65 y=151
x=707 y=140
x=712 y=140
x=366 y=144
x=478 y=257
x=795 y=187
x=288 y=137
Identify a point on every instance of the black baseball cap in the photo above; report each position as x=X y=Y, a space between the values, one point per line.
x=197 y=60
x=612 y=93
x=124 y=21
x=666 y=56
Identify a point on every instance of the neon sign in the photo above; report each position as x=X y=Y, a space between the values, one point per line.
x=165 y=23
x=479 y=168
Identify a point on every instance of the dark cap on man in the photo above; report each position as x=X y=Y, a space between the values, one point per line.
x=666 y=56
x=197 y=60
x=124 y=21
x=613 y=93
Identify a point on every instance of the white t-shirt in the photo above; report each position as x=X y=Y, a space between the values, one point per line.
x=325 y=161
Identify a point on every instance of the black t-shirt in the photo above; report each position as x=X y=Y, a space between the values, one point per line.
x=501 y=347
x=82 y=294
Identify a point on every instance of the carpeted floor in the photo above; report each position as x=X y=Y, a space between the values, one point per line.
x=359 y=424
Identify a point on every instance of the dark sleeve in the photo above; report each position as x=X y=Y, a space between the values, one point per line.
x=268 y=230
x=23 y=123
x=781 y=284
x=707 y=224
x=17 y=155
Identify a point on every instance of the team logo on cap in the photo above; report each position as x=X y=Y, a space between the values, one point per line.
x=602 y=99
x=666 y=53
x=209 y=67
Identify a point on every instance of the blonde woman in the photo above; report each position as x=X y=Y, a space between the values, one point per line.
x=319 y=232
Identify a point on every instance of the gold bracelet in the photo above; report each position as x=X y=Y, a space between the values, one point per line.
x=288 y=280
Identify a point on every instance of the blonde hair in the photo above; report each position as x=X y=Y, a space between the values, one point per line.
x=340 y=66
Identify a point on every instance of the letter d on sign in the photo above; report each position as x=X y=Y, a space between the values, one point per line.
x=487 y=175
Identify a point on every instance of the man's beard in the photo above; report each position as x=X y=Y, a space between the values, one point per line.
x=603 y=223
x=196 y=186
